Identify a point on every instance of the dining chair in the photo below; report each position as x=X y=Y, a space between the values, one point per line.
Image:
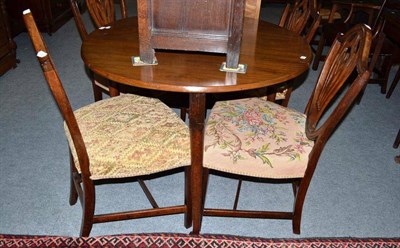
x=352 y=13
x=383 y=56
x=303 y=20
x=103 y=14
x=262 y=141
x=116 y=140
x=325 y=10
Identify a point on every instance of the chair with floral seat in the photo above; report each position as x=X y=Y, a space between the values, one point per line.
x=253 y=139
x=115 y=140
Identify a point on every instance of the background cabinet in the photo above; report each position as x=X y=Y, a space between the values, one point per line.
x=7 y=45
x=49 y=14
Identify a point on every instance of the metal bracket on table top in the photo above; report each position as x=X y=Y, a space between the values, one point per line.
x=241 y=68
x=136 y=61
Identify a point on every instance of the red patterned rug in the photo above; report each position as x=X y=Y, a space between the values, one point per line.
x=184 y=240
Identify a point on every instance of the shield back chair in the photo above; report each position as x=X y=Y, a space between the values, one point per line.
x=103 y=14
x=107 y=139
x=384 y=54
x=324 y=10
x=260 y=140
x=304 y=20
x=352 y=13
x=387 y=51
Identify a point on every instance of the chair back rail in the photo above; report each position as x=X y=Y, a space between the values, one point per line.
x=348 y=52
x=103 y=12
x=58 y=91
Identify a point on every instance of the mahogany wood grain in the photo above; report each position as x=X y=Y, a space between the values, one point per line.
x=81 y=182
x=196 y=25
x=325 y=110
x=272 y=54
x=252 y=9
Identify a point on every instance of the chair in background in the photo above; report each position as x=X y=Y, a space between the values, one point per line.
x=352 y=13
x=256 y=139
x=117 y=140
x=304 y=20
x=325 y=10
x=385 y=52
x=102 y=13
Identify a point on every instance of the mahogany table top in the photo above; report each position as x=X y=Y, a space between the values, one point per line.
x=272 y=54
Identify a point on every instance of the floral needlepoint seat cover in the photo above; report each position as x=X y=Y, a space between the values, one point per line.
x=254 y=137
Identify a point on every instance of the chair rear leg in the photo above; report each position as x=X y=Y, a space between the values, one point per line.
x=386 y=66
x=113 y=88
x=395 y=81
x=97 y=92
x=397 y=140
x=73 y=194
x=295 y=187
x=183 y=113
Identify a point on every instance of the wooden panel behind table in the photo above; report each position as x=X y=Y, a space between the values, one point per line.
x=196 y=25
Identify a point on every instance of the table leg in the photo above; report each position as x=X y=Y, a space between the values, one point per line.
x=197 y=108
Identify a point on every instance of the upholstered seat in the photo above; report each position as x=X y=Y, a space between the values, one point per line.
x=254 y=137
x=123 y=138
x=131 y=135
x=325 y=13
